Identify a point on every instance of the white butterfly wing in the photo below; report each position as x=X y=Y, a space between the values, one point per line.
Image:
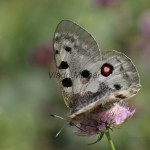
x=125 y=78
x=77 y=55
x=119 y=83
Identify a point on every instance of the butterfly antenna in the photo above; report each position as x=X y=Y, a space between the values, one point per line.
x=60 y=131
x=56 y=116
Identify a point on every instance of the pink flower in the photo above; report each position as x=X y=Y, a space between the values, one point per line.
x=113 y=117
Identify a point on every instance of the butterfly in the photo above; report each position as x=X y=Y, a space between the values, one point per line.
x=90 y=78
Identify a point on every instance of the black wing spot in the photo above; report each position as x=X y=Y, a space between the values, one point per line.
x=117 y=86
x=85 y=73
x=68 y=49
x=63 y=65
x=56 y=52
x=67 y=82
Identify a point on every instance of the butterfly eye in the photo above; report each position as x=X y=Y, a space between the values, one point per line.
x=106 y=69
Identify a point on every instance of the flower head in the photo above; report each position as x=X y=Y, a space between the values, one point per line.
x=113 y=117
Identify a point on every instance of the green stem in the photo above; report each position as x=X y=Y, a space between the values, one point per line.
x=110 y=140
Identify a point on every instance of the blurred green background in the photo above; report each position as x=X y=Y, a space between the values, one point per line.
x=28 y=96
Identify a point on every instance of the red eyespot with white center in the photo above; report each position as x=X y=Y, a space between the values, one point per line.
x=106 y=69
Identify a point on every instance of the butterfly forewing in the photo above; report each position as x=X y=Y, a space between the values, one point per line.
x=77 y=55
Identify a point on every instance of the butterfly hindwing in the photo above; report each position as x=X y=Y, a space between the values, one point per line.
x=124 y=78
x=117 y=80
